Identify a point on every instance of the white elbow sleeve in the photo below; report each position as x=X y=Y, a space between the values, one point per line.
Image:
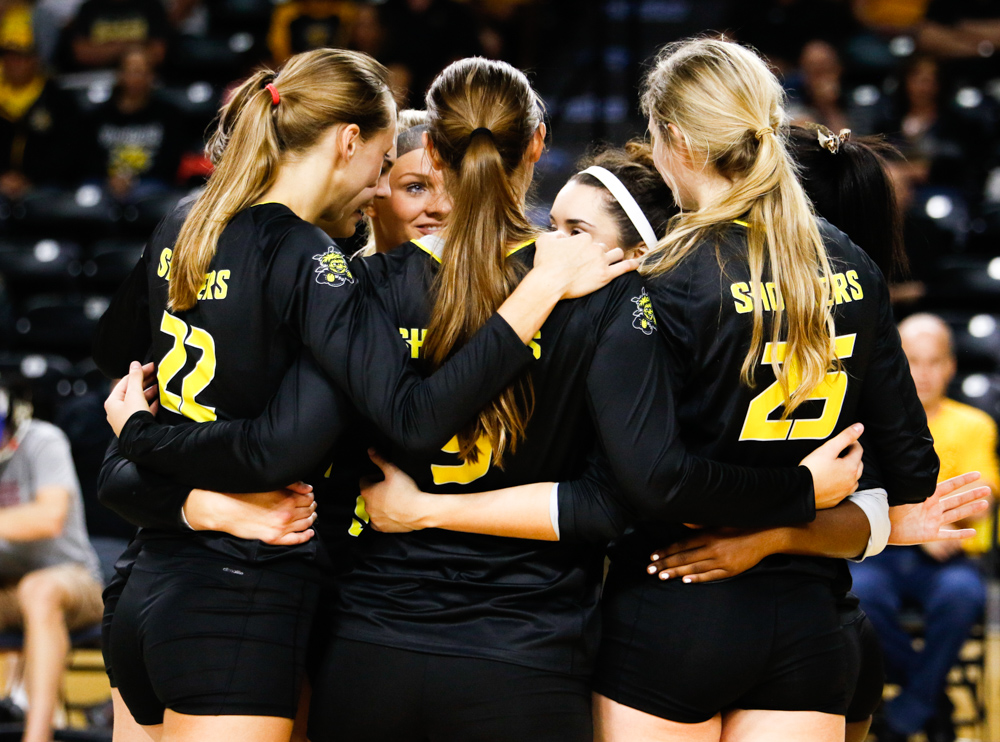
x=875 y=505
x=554 y=509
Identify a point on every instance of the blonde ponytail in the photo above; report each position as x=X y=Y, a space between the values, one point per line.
x=483 y=115
x=729 y=108
x=317 y=90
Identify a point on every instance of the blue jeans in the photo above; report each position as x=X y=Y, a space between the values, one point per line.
x=951 y=595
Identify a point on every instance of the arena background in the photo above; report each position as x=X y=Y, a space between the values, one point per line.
x=86 y=174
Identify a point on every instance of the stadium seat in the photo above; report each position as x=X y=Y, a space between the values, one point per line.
x=947 y=207
x=59 y=324
x=141 y=218
x=978 y=390
x=110 y=262
x=967 y=282
x=977 y=340
x=86 y=210
x=39 y=265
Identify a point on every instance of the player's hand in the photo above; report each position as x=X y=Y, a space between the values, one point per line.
x=578 y=264
x=943 y=551
x=136 y=392
x=714 y=554
x=281 y=518
x=395 y=504
x=925 y=521
x=836 y=467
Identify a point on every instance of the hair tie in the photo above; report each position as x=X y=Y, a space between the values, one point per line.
x=627 y=201
x=275 y=98
x=827 y=139
x=482 y=130
x=761 y=132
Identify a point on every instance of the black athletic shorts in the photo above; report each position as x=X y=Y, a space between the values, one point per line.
x=686 y=652
x=208 y=637
x=111 y=595
x=372 y=693
x=865 y=669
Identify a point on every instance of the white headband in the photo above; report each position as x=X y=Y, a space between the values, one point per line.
x=626 y=201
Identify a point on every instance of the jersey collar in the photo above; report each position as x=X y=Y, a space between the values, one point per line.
x=433 y=245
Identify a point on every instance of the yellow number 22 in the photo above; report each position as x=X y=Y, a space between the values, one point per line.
x=197 y=379
x=758 y=427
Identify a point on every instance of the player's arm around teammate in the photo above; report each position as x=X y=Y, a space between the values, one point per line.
x=307 y=165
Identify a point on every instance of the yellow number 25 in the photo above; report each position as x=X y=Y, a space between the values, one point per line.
x=758 y=427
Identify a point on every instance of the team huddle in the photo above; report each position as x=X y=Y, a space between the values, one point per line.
x=692 y=345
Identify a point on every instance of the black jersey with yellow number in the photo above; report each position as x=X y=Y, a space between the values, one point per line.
x=601 y=376
x=705 y=310
x=276 y=288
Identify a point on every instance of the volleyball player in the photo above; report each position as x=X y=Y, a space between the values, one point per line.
x=413 y=203
x=440 y=621
x=586 y=204
x=784 y=311
x=244 y=281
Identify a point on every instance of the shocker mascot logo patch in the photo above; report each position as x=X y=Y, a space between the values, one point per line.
x=333 y=270
x=644 y=320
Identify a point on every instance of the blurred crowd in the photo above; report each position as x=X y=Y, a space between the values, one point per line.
x=104 y=106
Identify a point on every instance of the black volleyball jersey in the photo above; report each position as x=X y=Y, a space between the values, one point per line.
x=705 y=310
x=276 y=287
x=601 y=376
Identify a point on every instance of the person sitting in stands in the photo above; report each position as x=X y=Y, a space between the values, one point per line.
x=103 y=31
x=50 y=580
x=944 y=583
x=136 y=134
x=35 y=133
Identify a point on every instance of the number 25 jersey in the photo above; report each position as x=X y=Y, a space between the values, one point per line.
x=705 y=309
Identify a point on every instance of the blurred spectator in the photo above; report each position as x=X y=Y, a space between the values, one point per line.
x=924 y=239
x=43 y=25
x=137 y=135
x=925 y=127
x=367 y=33
x=36 y=131
x=425 y=36
x=890 y=15
x=188 y=16
x=961 y=29
x=301 y=25
x=943 y=583
x=50 y=573
x=509 y=30
x=780 y=28
x=821 y=97
x=104 y=30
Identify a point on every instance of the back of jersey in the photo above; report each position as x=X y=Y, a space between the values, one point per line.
x=224 y=358
x=705 y=308
x=517 y=600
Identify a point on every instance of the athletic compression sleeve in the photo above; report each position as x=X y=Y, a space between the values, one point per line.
x=638 y=433
x=301 y=423
x=355 y=342
x=141 y=497
x=123 y=333
x=896 y=431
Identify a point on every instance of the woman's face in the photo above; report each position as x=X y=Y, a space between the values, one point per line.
x=415 y=204
x=355 y=180
x=922 y=83
x=583 y=208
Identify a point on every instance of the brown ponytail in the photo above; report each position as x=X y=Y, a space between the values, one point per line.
x=483 y=115
x=318 y=89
